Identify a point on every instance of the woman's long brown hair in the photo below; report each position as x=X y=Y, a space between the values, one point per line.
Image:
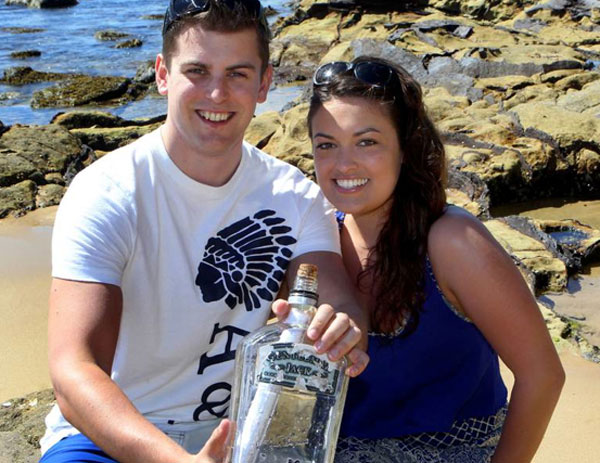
x=396 y=264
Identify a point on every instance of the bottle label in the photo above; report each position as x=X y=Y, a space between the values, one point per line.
x=298 y=366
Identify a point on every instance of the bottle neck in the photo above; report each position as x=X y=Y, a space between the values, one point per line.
x=302 y=308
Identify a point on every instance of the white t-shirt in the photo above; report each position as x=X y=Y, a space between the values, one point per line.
x=198 y=267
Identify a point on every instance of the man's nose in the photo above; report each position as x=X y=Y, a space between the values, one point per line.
x=217 y=90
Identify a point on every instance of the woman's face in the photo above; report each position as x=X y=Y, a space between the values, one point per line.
x=357 y=154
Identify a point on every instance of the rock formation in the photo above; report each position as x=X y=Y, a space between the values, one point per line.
x=513 y=87
x=43 y=3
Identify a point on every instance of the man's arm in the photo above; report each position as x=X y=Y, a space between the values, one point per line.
x=340 y=326
x=83 y=326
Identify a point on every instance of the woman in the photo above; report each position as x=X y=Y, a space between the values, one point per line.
x=443 y=297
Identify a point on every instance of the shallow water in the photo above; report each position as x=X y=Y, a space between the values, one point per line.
x=67 y=44
x=580 y=301
x=587 y=212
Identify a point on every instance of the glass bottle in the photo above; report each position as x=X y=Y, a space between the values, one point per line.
x=287 y=400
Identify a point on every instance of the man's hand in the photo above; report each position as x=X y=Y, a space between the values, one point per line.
x=215 y=449
x=334 y=333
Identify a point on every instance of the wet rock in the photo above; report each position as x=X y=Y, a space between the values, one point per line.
x=480 y=9
x=108 y=139
x=21 y=30
x=537 y=92
x=576 y=81
x=587 y=163
x=584 y=101
x=442 y=105
x=109 y=35
x=262 y=128
x=14 y=168
x=503 y=88
x=25 y=54
x=576 y=8
x=409 y=61
x=467 y=190
x=55 y=178
x=566 y=335
x=48 y=148
x=302 y=46
x=133 y=43
x=17 y=198
x=270 y=11
x=14 y=448
x=43 y=3
x=571 y=236
x=531 y=228
x=550 y=272
x=457 y=83
x=373 y=26
x=49 y=195
x=481 y=69
x=87 y=119
x=5 y=96
x=529 y=24
x=81 y=90
x=22 y=75
x=24 y=417
x=291 y=143
x=145 y=73
x=153 y=17
x=571 y=130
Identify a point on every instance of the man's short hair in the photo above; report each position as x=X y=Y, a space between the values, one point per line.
x=220 y=17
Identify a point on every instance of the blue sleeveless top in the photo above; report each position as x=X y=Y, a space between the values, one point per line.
x=444 y=371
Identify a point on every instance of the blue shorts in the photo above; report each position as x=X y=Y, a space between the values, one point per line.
x=76 y=449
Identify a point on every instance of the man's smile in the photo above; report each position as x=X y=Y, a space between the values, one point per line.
x=215 y=116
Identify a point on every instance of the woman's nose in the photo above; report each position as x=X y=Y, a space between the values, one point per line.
x=346 y=160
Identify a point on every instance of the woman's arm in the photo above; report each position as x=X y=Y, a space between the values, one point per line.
x=478 y=276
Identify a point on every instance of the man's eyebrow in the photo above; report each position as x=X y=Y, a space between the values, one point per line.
x=202 y=65
x=241 y=66
x=194 y=63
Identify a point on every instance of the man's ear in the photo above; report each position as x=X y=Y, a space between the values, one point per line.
x=161 y=74
x=265 y=84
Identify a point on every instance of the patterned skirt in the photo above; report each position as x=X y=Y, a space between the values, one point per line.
x=469 y=441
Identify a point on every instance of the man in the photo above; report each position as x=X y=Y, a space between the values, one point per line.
x=167 y=251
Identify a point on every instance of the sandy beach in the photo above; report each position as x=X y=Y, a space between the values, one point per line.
x=24 y=285
x=24 y=289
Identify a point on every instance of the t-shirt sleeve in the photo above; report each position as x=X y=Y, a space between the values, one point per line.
x=93 y=231
x=318 y=231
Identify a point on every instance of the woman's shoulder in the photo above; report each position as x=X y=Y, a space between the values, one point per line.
x=458 y=236
x=454 y=225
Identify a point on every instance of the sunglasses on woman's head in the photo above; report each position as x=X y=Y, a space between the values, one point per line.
x=181 y=8
x=369 y=72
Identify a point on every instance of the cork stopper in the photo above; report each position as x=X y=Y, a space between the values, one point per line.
x=305 y=284
x=306 y=278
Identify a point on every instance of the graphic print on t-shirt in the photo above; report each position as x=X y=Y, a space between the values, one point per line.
x=246 y=261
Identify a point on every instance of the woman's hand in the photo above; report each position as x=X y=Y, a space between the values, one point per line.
x=334 y=333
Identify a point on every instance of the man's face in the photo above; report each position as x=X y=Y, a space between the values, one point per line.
x=213 y=85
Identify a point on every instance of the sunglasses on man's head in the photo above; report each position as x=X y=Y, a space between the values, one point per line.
x=369 y=72
x=181 y=8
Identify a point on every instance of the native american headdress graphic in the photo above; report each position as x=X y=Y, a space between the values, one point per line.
x=246 y=261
